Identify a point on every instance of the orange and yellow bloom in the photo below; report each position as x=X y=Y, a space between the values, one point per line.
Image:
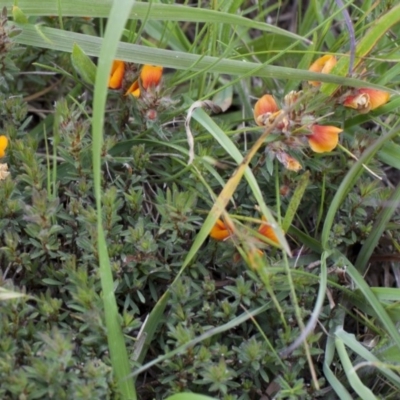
x=3 y=145
x=323 y=65
x=150 y=77
x=221 y=231
x=323 y=138
x=117 y=74
x=266 y=230
x=265 y=110
x=365 y=100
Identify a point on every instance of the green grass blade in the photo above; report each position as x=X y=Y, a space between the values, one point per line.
x=116 y=342
x=56 y=39
x=351 y=374
x=330 y=350
x=371 y=299
x=351 y=342
x=350 y=180
x=389 y=154
x=162 y=12
x=384 y=216
x=295 y=200
x=151 y=324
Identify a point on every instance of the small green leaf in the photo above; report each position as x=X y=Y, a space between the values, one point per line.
x=19 y=16
x=83 y=65
x=295 y=200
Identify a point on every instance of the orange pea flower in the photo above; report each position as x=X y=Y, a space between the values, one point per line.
x=3 y=145
x=323 y=138
x=266 y=230
x=134 y=89
x=265 y=110
x=150 y=77
x=288 y=161
x=221 y=231
x=323 y=65
x=117 y=74
x=365 y=100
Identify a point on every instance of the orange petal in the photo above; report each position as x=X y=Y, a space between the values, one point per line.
x=117 y=74
x=3 y=145
x=365 y=100
x=324 y=65
x=324 y=138
x=134 y=89
x=220 y=231
x=266 y=230
x=377 y=98
x=264 y=107
x=150 y=75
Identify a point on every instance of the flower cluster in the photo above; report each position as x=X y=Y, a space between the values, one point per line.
x=224 y=230
x=149 y=79
x=300 y=127
x=363 y=100
x=3 y=167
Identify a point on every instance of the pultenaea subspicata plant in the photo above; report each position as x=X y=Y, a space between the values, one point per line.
x=300 y=126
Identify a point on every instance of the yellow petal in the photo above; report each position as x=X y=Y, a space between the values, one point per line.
x=3 y=145
x=324 y=65
x=377 y=98
x=134 y=89
x=323 y=138
x=117 y=74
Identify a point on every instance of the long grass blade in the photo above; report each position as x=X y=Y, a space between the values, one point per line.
x=116 y=341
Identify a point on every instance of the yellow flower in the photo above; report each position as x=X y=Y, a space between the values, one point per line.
x=323 y=138
x=117 y=74
x=265 y=109
x=365 y=100
x=221 y=231
x=324 y=65
x=150 y=77
x=3 y=145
